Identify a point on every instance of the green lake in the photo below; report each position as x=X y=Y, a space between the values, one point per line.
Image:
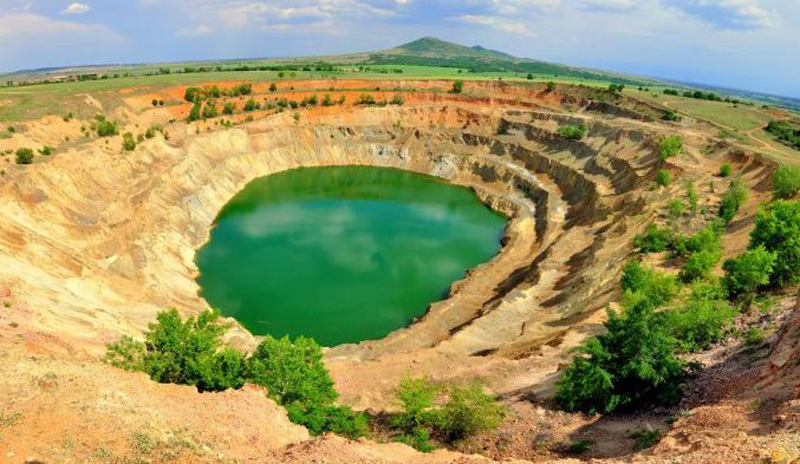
x=342 y=254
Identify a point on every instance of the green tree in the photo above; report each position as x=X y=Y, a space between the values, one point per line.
x=786 y=181
x=551 y=86
x=295 y=376
x=229 y=108
x=639 y=281
x=692 y=196
x=654 y=239
x=702 y=320
x=458 y=87
x=633 y=363
x=24 y=156
x=273 y=87
x=777 y=229
x=192 y=94
x=748 y=271
x=676 y=208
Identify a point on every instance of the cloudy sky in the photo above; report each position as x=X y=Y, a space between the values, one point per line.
x=749 y=44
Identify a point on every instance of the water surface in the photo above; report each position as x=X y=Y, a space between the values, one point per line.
x=342 y=254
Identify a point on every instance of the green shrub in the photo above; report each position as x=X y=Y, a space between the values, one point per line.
x=706 y=239
x=634 y=362
x=192 y=94
x=194 y=113
x=754 y=337
x=273 y=87
x=786 y=181
x=676 y=208
x=692 y=197
x=397 y=99
x=654 y=239
x=640 y=281
x=188 y=352
x=663 y=178
x=229 y=108
x=700 y=322
x=295 y=376
x=573 y=132
x=468 y=411
x=126 y=353
x=106 y=128
x=327 y=100
x=251 y=105
x=458 y=87
x=128 y=142
x=670 y=146
x=725 y=170
x=24 y=156
x=777 y=229
x=700 y=265
x=645 y=438
x=551 y=86
x=749 y=271
x=732 y=201
x=366 y=99
x=46 y=150
x=210 y=110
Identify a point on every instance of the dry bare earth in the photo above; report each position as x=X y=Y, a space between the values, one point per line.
x=93 y=243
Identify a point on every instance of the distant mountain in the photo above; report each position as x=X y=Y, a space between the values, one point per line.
x=430 y=51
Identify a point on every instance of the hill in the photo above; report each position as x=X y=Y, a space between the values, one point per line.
x=430 y=51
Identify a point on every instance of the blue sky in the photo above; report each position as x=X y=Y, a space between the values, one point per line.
x=748 y=44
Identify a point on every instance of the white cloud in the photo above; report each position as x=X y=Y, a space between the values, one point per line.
x=76 y=8
x=25 y=25
x=199 y=30
x=514 y=7
x=727 y=14
x=611 y=5
x=497 y=23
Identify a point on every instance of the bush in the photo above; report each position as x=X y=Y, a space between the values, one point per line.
x=229 y=108
x=639 y=281
x=786 y=181
x=700 y=265
x=633 y=363
x=327 y=100
x=692 y=196
x=778 y=231
x=295 y=376
x=273 y=87
x=670 y=146
x=210 y=110
x=663 y=178
x=468 y=411
x=458 y=87
x=732 y=201
x=24 y=156
x=250 y=105
x=46 y=150
x=654 y=239
x=701 y=321
x=397 y=99
x=195 y=114
x=192 y=94
x=126 y=353
x=106 y=128
x=128 y=142
x=551 y=86
x=676 y=208
x=366 y=99
x=572 y=132
x=749 y=271
x=725 y=170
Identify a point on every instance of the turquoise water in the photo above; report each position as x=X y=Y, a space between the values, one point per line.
x=342 y=254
